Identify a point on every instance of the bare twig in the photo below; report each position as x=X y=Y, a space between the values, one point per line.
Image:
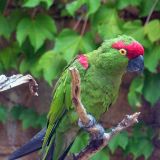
x=151 y=11
x=99 y=139
x=16 y=80
x=77 y=23
x=84 y=26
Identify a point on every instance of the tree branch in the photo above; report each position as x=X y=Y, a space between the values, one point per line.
x=16 y=80
x=99 y=138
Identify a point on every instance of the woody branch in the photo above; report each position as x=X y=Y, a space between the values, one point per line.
x=98 y=137
x=7 y=83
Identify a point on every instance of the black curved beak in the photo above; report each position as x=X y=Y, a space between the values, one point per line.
x=136 y=64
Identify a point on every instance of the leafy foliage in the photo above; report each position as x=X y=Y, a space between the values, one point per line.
x=28 y=117
x=120 y=140
x=42 y=36
x=39 y=29
x=3 y=114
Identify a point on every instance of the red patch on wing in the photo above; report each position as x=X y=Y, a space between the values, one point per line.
x=83 y=60
x=134 y=49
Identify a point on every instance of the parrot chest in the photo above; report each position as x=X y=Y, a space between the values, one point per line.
x=98 y=91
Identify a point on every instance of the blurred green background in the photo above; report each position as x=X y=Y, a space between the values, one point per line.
x=40 y=37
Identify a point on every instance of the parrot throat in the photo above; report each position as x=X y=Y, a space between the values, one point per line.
x=83 y=60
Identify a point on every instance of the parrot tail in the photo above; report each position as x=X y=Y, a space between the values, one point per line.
x=33 y=145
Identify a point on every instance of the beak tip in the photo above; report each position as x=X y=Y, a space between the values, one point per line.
x=136 y=64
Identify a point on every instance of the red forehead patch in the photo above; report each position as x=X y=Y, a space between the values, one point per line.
x=83 y=60
x=133 y=49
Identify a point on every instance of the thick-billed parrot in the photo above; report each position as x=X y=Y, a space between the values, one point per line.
x=101 y=74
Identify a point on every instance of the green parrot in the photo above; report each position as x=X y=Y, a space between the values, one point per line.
x=101 y=74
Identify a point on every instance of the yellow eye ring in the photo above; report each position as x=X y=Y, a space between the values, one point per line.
x=123 y=52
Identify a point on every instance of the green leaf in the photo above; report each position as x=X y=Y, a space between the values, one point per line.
x=93 y=6
x=37 y=30
x=79 y=143
x=107 y=23
x=4 y=27
x=14 y=18
x=74 y=6
x=3 y=114
x=3 y=5
x=135 y=92
x=124 y=3
x=51 y=64
x=152 y=29
x=16 y=111
x=28 y=118
x=146 y=6
x=120 y=140
x=140 y=147
x=103 y=154
x=8 y=56
x=42 y=120
x=152 y=58
x=69 y=43
x=134 y=29
x=34 y=3
x=151 y=87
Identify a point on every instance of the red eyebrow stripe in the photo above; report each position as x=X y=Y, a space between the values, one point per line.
x=134 y=49
x=83 y=60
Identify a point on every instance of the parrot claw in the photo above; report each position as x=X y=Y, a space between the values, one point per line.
x=91 y=123
x=99 y=134
x=96 y=130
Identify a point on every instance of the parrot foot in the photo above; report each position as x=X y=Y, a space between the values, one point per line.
x=96 y=130
x=90 y=124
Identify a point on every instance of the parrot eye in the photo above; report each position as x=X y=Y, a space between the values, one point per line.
x=123 y=52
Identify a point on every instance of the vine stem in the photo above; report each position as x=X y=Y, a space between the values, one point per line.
x=84 y=26
x=151 y=11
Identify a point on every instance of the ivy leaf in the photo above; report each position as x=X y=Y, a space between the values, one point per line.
x=4 y=27
x=14 y=18
x=3 y=5
x=79 y=143
x=69 y=43
x=37 y=30
x=107 y=26
x=151 y=87
x=8 y=56
x=152 y=29
x=140 y=147
x=93 y=6
x=103 y=154
x=51 y=64
x=135 y=92
x=3 y=114
x=124 y=3
x=120 y=140
x=135 y=26
x=16 y=111
x=152 y=57
x=30 y=65
x=42 y=120
x=74 y=6
x=34 y=3
x=28 y=118
x=145 y=7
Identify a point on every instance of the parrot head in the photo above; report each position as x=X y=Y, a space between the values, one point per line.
x=132 y=50
x=125 y=50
